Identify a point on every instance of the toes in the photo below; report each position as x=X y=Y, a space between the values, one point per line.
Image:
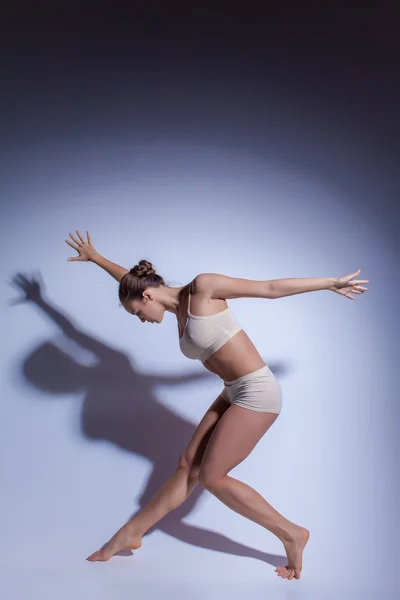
x=99 y=555
x=286 y=572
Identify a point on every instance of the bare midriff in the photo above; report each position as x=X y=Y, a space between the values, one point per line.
x=237 y=357
x=234 y=359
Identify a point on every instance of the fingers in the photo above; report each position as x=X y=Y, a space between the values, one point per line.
x=80 y=237
x=75 y=240
x=72 y=245
x=89 y=237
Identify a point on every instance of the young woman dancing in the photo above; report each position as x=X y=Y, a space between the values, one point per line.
x=248 y=405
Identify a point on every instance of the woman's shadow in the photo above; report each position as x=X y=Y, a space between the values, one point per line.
x=120 y=406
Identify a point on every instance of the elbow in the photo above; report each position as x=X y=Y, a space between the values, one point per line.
x=272 y=292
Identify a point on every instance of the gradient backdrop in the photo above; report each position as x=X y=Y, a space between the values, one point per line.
x=256 y=142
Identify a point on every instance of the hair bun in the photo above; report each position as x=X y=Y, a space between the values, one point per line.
x=143 y=268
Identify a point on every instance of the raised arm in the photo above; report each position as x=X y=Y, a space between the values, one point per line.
x=87 y=252
x=112 y=268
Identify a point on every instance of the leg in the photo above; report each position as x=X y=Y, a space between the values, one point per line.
x=235 y=436
x=178 y=488
x=174 y=491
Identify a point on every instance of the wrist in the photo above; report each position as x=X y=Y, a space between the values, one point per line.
x=332 y=283
x=93 y=257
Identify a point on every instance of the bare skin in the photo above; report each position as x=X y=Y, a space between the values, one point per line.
x=124 y=539
x=232 y=492
x=235 y=358
x=294 y=552
x=127 y=539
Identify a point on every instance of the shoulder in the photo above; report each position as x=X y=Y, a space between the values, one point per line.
x=217 y=285
x=204 y=284
x=201 y=284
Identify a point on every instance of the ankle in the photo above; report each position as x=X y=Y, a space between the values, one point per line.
x=291 y=533
x=285 y=531
x=133 y=529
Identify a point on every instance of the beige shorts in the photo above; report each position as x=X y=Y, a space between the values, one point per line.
x=259 y=390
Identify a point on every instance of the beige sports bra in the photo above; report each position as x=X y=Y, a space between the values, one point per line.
x=203 y=336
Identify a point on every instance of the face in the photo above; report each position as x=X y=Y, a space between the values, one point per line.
x=146 y=311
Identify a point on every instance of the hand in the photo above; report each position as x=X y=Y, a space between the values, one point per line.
x=344 y=285
x=86 y=249
x=32 y=288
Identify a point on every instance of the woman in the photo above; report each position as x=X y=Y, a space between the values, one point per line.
x=248 y=405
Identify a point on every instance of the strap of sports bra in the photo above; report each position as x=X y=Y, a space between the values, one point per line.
x=189 y=299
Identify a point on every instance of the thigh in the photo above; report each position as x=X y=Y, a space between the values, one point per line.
x=234 y=437
x=192 y=456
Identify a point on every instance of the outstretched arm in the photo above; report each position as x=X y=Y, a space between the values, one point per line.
x=291 y=286
x=87 y=252
x=341 y=285
x=221 y=286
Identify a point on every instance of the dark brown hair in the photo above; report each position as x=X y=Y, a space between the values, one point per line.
x=139 y=278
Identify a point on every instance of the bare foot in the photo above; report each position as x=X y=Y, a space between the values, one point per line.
x=124 y=539
x=294 y=551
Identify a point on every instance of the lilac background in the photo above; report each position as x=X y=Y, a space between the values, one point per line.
x=223 y=139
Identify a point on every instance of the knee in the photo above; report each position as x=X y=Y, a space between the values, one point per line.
x=207 y=479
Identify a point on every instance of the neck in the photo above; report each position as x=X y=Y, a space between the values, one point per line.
x=174 y=299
